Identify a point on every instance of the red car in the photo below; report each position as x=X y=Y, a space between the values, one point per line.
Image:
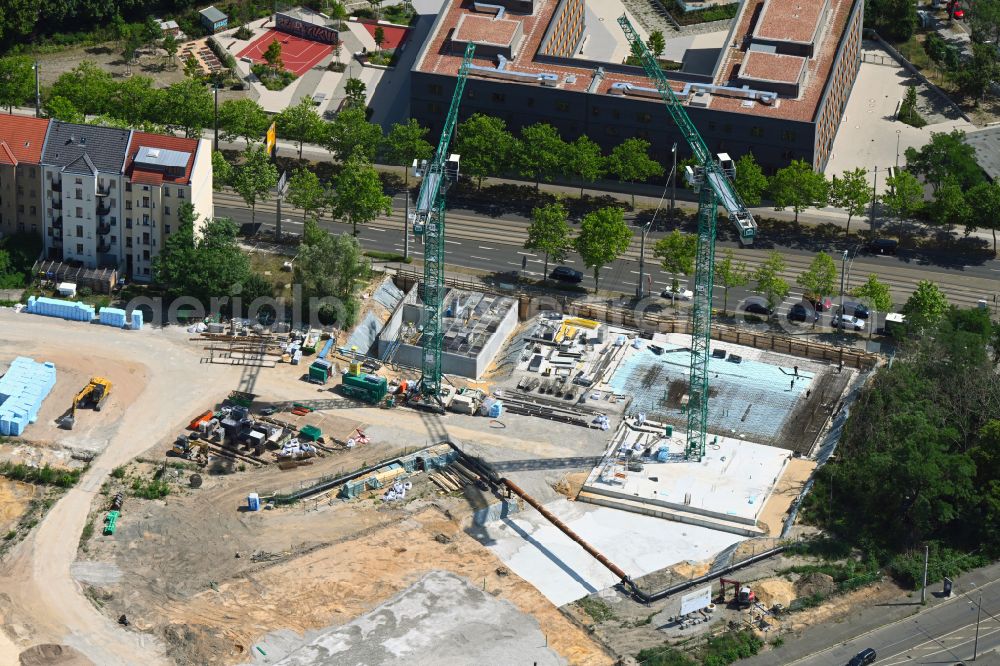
x=958 y=14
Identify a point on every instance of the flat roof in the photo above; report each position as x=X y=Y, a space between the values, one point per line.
x=790 y=20
x=485 y=30
x=763 y=66
x=439 y=57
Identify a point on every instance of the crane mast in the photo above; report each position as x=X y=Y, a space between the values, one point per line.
x=428 y=221
x=713 y=183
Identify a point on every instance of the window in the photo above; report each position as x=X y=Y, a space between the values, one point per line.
x=79 y=193
x=113 y=203
x=644 y=117
x=79 y=212
x=756 y=131
x=788 y=135
x=180 y=194
x=166 y=191
x=562 y=107
x=145 y=271
x=79 y=248
x=20 y=209
x=128 y=187
x=128 y=205
x=432 y=107
x=34 y=211
x=114 y=221
x=20 y=189
x=145 y=188
x=166 y=228
x=145 y=220
x=128 y=222
x=145 y=202
x=145 y=256
x=166 y=210
x=499 y=98
x=114 y=240
x=79 y=231
x=128 y=241
x=78 y=181
x=435 y=89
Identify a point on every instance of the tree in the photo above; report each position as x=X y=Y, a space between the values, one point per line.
x=312 y=233
x=17 y=81
x=406 y=142
x=358 y=197
x=242 y=118
x=541 y=153
x=190 y=107
x=896 y=19
x=904 y=197
x=676 y=253
x=750 y=181
x=272 y=56
x=192 y=68
x=86 y=86
x=798 y=187
x=851 y=192
x=306 y=192
x=820 y=278
x=135 y=100
x=769 y=281
x=950 y=206
x=876 y=294
x=945 y=155
x=549 y=232
x=60 y=108
x=376 y=7
x=985 y=22
x=170 y=45
x=729 y=275
x=350 y=133
x=925 y=307
x=976 y=74
x=300 y=123
x=222 y=170
x=485 y=146
x=205 y=267
x=604 y=236
x=354 y=90
x=255 y=178
x=585 y=161
x=630 y=162
x=986 y=211
x=379 y=37
x=656 y=43
x=332 y=266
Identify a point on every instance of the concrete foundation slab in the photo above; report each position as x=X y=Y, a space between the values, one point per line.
x=564 y=572
x=442 y=620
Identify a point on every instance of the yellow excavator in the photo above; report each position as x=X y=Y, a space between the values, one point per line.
x=93 y=394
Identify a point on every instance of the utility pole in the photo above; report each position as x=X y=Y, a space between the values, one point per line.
x=979 y=616
x=843 y=273
x=282 y=190
x=923 y=589
x=874 y=200
x=215 y=124
x=897 y=149
x=639 y=291
x=673 y=182
x=38 y=98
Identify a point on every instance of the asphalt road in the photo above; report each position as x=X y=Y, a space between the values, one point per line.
x=944 y=634
x=481 y=243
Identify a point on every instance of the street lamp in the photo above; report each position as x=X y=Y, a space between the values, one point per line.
x=38 y=98
x=673 y=180
x=640 y=289
x=843 y=273
x=897 y=149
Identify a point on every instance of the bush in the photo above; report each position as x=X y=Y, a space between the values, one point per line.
x=663 y=656
x=665 y=65
x=222 y=54
x=151 y=489
x=244 y=33
x=730 y=647
x=908 y=568
x=118 y=472
x=271 y=79
x=596 y=609
x=46 y=475
x=717 y=13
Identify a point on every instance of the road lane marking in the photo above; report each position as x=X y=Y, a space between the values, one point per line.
x=472 y=256
x=483 y=247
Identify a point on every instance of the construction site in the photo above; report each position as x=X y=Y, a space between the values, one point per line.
x=452 y=480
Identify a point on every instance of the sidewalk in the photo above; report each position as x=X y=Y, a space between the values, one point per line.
x=821 y=638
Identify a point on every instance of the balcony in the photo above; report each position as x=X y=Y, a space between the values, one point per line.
x=56 y=186
x=104 y=191
x=104 y=228
x=56 y=232
x=57 y=204
x=103 y=208
x=57 y=222
x=103 y=247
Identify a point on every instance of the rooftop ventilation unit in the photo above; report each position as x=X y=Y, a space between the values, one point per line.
x=701 y=99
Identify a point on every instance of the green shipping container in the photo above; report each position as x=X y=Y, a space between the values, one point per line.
x=368 y=388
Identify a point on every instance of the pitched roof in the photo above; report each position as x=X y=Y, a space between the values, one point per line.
x=24 y=137
x=212 y=14
x=6 y=155
x=104 y=147
x=153 y=176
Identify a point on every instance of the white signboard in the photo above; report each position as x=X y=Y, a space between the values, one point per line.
x=695 y=601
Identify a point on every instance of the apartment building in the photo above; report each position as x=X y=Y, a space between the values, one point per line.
x=83 y=192
x=162 y=173
x=21 y=141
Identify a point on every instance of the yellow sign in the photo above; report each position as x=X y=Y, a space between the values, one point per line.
x=270 y=139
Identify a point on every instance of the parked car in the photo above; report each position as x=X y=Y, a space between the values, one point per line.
x=821 y=303
x=757 y=306
x=680 y=295
x=958 y=13
x=846 y=322
x=883 y=246
x=863 y=658
x=566 y=274
x=802 y=312
x=859 y=310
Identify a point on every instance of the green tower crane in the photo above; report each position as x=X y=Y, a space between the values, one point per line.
x=428 y=221
x=712 y=181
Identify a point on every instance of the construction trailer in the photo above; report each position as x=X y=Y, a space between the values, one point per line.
x=367 y=388
x=320 y=371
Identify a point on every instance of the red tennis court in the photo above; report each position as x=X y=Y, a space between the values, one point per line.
x=299 y=55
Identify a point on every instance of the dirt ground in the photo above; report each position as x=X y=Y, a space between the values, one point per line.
x=773 y=515
x=14 y=500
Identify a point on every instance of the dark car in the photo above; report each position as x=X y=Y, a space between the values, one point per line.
x=863 y=658
x=821 y=303
x=859 y=310
x=883 y=246
x=757 y=306
x=802 y=312
x=566 y=274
